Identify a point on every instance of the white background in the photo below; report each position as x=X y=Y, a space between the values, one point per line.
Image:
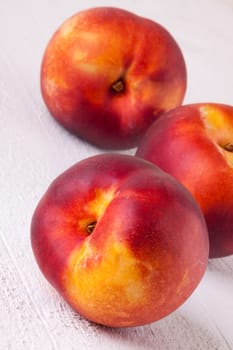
x=34 y=149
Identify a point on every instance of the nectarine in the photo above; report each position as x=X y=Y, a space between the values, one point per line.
x=122 y=241
x=194 y=143
x=107 y=74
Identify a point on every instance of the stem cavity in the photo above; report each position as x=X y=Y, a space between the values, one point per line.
x=118 y=86
x=228 y=147
x=91 y=227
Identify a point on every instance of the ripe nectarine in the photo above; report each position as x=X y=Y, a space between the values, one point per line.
x=122 y=241
x=194 y=143
x=107 y=74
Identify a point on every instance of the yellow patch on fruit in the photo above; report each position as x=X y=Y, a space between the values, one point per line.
x=101 y=200
x=95 y=55
x=107 y=283
x=219 y=129
x=68 y=28
x=95 y=207
x=84 y=41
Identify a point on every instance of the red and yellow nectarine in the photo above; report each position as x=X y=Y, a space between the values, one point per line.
x=194 y=143
x=123 y=242
x=107 y=74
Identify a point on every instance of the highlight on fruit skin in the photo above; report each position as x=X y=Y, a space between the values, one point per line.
x=107 y=74
x=194 y=143
x=123 y=242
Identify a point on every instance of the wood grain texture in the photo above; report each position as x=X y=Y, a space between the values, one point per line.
x=35 y=149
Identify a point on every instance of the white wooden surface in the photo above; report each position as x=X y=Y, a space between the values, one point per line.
x=34 y=150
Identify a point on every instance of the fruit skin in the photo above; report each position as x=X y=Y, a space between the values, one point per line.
x=107 y=74
x=194 y=143
x=146 y=254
